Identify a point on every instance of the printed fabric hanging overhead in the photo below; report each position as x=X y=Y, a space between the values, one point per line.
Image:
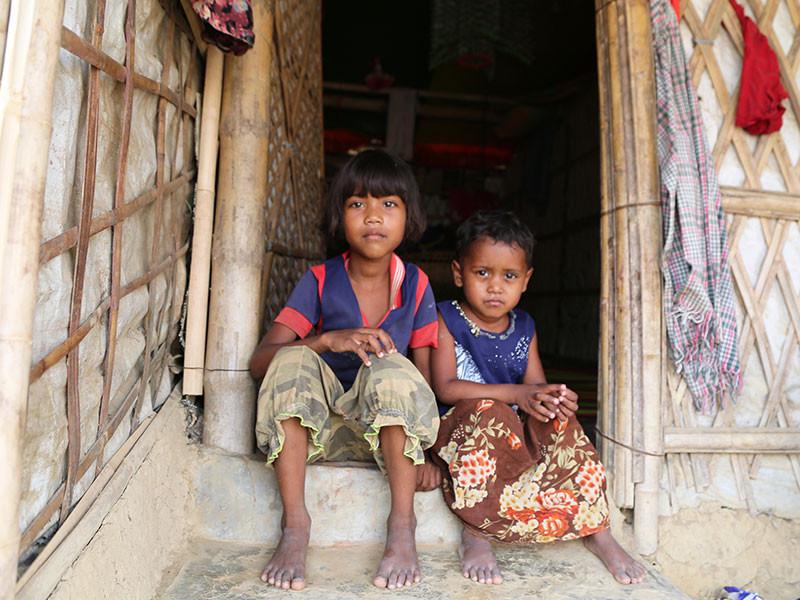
x=228 y=24
x=472 y=32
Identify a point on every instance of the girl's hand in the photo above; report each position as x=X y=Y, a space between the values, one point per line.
x=537 y=400
x=362 y=341
x=567 y=402
x=429 y=477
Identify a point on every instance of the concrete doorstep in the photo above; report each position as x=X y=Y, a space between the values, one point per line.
x=238 y=515
x=213 y=570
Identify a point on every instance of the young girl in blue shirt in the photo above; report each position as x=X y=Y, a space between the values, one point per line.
x=516 y=464
x=337 y=384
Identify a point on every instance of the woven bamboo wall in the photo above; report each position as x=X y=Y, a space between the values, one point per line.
x=115 y=235
x=295 y=181
x=760 y=179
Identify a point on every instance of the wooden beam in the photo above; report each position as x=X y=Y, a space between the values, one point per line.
x=630 y=303
x=26 y=106
x=235 y=300
x=732 y=440
x=757 y=203
x=196 y=26
x=197 y=309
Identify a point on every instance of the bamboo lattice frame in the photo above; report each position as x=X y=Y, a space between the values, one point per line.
x=761 y=194
x=295 y=172
x=167 y=248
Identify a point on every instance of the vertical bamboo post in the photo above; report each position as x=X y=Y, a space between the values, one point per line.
x=239 y=238
x=632 y=228
x=33 y=43
x=5 y=7
x=648 y=303
x=197 y=310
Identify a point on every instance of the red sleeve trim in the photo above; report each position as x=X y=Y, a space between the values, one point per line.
x=422 y=285
x=319 y=273
x=427 y=335
x=295 y=321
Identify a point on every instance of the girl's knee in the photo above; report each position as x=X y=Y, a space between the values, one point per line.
x=293 y=353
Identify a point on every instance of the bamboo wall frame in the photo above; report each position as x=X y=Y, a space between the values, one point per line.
x=696 y=444
x=631 y=343
x=168 y=247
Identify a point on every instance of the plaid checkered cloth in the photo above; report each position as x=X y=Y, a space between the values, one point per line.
x=698 y=294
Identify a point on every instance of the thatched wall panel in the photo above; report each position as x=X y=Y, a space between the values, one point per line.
x=295 y=169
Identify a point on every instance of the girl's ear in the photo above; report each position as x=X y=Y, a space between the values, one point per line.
x=457 y=278
x=528 y=276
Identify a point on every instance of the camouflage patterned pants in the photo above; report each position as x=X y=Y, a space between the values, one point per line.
x=345 y=425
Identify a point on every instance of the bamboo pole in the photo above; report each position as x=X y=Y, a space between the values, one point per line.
x=238 y=252
x=197 y=310
x=732 y=440
x=29 y=70
x=757 y=203
x=648 y=302
x=5 y=7
x=605 y=375
x=631 y=343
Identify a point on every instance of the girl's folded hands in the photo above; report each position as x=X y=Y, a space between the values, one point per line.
x=547 y=401
x=362 y=341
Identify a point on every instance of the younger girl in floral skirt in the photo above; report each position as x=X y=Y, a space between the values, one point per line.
x=517 y=466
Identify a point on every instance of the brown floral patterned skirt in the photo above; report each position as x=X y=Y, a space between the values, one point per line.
x=517 y=479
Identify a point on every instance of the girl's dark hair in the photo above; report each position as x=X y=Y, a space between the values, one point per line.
x=374 y=173
x=499 y=225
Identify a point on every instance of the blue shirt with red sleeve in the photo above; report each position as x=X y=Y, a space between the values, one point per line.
x=324 y=300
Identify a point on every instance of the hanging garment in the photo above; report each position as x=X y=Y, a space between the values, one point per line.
x=676 y=5
x=760 y=90
x=698 y=293
x=227 y=24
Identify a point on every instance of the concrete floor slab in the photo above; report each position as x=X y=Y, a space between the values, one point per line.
x=213 y=570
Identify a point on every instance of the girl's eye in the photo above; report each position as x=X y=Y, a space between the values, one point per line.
x=390 y=204
x=355 y=204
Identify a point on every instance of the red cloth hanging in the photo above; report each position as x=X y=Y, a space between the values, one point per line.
x=676 y=6
x=760 y=90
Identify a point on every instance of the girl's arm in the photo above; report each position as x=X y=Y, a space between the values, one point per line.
x=421 y=357
x=278 y=336
x=360 y=341
x=449 y=389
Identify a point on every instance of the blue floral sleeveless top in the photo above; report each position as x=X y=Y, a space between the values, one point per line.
x=487 y=357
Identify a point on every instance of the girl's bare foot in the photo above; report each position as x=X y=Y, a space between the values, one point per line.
x=399 y=566
x=287 y=567
x=618 y=562
x=477 y=559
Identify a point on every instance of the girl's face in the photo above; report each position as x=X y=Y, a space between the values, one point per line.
x=374 y=227
x=493 y=276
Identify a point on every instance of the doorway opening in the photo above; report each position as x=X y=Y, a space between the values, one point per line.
x=511 y=125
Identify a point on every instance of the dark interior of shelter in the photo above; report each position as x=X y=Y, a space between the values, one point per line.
x=494 y=105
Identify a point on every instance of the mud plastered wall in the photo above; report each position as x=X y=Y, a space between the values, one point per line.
x=116 y=221
x=765 y=264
